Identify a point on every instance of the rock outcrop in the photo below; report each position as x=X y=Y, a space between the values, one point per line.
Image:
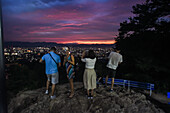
x=119 y=101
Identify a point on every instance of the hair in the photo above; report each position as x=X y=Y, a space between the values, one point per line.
x=68 y=48
x=91 y=54
x=115 y=49
x=52 y=49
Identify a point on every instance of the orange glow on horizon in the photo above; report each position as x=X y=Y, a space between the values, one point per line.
x=90 y=42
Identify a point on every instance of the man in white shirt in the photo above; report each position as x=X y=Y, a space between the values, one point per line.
x=115 y=58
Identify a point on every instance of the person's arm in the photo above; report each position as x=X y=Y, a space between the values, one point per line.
x=121 y=60
x=59 y=62
x=64 y=61
x=82 y=57
x=42 y=59
x=72 y=60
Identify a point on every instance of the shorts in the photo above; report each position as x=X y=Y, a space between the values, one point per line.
x=111 y=73
x=54 y=78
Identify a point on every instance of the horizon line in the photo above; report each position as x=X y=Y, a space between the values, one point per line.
x=88 y=43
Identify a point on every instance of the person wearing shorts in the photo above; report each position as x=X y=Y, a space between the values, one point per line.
x=54 y=78
x=51 y=60
x=115 y=58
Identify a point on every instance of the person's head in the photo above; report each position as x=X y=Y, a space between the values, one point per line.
x=114 y=48
x=68 y=51
x=117 y=50
x=91 y=54
x=53 y=49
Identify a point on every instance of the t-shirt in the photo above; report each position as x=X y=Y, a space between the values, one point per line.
x=51 y=66
x=89 y=62
x=114 y=60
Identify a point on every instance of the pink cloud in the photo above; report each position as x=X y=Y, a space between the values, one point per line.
x=90 y=21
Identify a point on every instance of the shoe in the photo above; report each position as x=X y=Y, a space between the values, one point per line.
x=88 y=97
x=46 y=92
x=111 y=90
x=91 y=97
x=53 y=97
x=71 y=95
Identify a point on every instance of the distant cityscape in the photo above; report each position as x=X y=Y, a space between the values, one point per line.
x=33 y=54
x=25 y=53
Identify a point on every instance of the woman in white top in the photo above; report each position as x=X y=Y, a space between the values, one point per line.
x=89 y=77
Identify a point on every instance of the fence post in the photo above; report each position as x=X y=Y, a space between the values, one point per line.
x=150 y=90
x=128 y=85
x=124 y=84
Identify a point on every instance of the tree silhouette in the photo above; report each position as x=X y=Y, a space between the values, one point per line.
x=143 y=40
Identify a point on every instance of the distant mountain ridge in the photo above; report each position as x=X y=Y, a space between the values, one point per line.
x=50 y=44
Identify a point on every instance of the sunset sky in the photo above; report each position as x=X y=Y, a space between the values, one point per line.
x=65 y=21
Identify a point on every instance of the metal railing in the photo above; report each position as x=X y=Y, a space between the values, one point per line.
x=135 y=84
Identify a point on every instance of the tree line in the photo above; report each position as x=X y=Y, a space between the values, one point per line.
x=144 y=42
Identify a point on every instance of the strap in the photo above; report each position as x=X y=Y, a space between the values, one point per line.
x=53 y=58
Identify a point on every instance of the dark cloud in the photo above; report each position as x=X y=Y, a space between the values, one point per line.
x=65 y=0
x=48 y=1
x=53 y=1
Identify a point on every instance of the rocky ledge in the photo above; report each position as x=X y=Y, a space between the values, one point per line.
x=119 y=101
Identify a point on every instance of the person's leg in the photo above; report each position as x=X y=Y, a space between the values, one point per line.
x=99 y=79
x=54 y=81
x=112 y=83
x=106 y=80
x=88 y=94
x=113 y=76
x=91 y=92
x=47 y=85
x=107 y=75
x=72 y=87
x=53 y=89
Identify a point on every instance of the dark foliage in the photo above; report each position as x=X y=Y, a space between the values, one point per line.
x=144 y=42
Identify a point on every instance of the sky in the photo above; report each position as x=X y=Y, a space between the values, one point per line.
x=65 y=21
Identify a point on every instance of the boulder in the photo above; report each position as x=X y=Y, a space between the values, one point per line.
x=119 y=101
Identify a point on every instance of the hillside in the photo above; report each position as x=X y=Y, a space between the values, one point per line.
x=119 y=101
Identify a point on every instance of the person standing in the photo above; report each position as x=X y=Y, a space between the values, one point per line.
x=89 y=77
x=115 y=58
x=51 y=61
x=69 y=63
